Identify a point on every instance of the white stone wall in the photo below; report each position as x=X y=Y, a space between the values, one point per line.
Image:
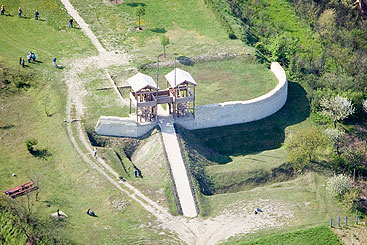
x=123 y=127
x=234 y=112
x=207 y=116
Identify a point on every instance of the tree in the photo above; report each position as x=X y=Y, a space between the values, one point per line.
x=337 y=108
x=336 y=138
x=30 y=143
x=304 y=145
x=164 y=42
x=338 y=185
x=139 y=12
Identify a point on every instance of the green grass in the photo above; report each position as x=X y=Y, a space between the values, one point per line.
x=101 y=102
x=66 y=182
x=317 y=235
x=191 y=26
x=228 y=80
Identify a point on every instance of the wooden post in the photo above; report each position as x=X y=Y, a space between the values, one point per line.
x=331 y=222
x=339 y=221
x=346 y=220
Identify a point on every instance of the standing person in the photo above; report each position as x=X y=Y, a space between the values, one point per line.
x=20 y=12
x=95 y=153
x=20 y=60
x=54 y=62
x=29 y=56
x=71 y=22
x=135 y=172
x=23 y=62
x=33 y=56
x=2 y=10
x=36 y=15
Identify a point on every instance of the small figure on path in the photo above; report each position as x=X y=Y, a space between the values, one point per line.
x=33 y=56
x=95 y=153
x=71 y=22
x=54 y=62
x=20 y=12
x=135 y=172
x=20 y=60
x=36 y=15
x=23 y=62
x=255 y=212
x=2 y=10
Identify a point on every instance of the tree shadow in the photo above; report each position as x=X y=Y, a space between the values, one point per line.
x=266 y=134
x=158 y=30
x=136 y=4
x=185 y=61
x=7 y=126
x=41 y=154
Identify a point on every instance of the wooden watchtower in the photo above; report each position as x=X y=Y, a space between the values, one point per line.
x=143 y=95
x=182 y=89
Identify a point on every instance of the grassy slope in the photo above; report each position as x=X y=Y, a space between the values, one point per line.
x=190 y=25
x=317 y=235
x=230 y=80
x=305 y=196
x=65 y=181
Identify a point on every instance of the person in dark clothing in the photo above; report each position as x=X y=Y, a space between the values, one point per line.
x=36 y=15
x=20 y=12
x=2 y=10
x=71 y=22
x=23 y=62
x=20 y=60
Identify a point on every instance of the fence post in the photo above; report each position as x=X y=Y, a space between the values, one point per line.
x=339 y=221
x=346 y=220
x=331 y=222
x=357 y=219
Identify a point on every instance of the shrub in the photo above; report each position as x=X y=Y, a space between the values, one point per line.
x=30 y=143
x=352 y=199
x=338 y=185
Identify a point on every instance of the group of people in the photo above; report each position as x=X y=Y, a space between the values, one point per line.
x=31 y=56
x=20 y=12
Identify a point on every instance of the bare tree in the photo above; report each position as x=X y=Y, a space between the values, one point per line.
x=337 y=108
x=336 y=138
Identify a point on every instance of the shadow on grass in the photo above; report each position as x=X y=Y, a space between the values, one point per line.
x=7 y=126
x=41 y=154
x=136 y=4
x=242 y=139
x=158 y=30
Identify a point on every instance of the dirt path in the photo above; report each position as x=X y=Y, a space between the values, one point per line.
x=236 y=220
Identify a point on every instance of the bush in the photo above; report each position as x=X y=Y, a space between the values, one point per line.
x=338 y=185
x=352 y=199
x=30 y=143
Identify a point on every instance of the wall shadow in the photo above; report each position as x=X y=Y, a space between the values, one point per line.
x=136 y=4
x=257 y=136
x=158 y=30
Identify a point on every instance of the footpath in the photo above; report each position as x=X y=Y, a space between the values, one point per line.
x=179 y=173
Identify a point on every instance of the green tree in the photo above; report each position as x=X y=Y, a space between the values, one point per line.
x=337 y=108
x=305 y=145
x=336 y=139
x=139 y=12
x=164 y=42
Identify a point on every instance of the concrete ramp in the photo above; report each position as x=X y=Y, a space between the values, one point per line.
x=179 y=173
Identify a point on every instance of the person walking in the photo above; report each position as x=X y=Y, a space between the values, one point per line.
x=33 y=56
x=23 y=62
x=36 y=15
x=54 y=62
x=135 y=172
x=20 y=12
x=95 y=153
x=71 y=22
x=2 y=10
x=20 y=60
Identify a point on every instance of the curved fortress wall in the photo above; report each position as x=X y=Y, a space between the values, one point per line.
x=207 y=116
x=234 y=112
